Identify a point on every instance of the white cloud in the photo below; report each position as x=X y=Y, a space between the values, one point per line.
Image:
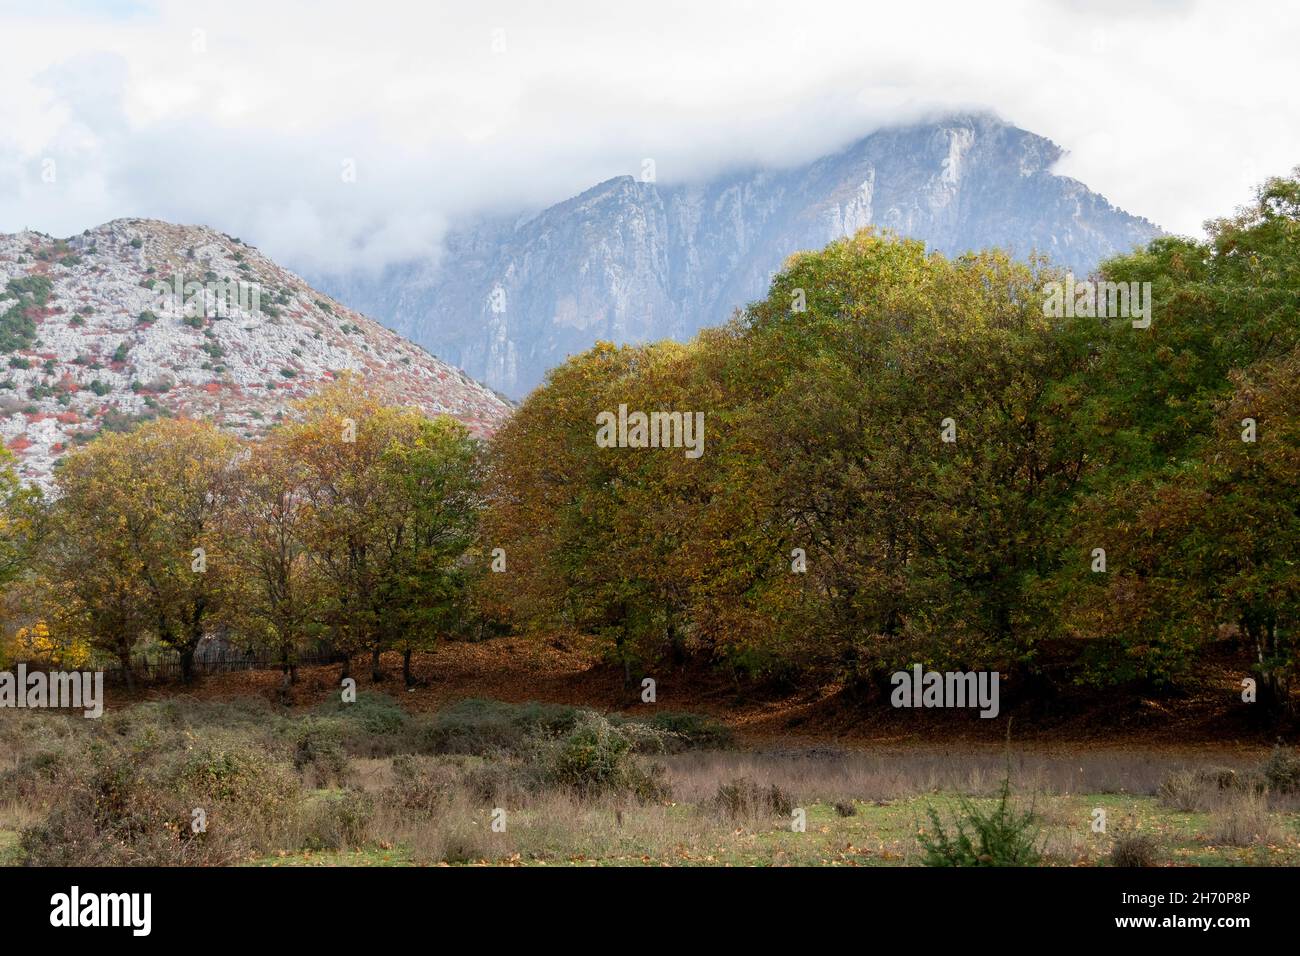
x=240 y=114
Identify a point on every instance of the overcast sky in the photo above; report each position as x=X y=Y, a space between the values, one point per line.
x=242 y=115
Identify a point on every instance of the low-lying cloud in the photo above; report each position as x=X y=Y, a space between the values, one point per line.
x=335 y=135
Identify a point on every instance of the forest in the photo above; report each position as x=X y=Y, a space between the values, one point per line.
x=905 y=459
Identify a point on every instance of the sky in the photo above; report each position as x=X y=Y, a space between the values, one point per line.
x=339 y=135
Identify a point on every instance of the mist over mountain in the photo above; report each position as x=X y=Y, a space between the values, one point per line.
x=633 y=260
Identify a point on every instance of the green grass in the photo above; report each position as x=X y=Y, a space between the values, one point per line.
x=883 y=834
x=9 y=848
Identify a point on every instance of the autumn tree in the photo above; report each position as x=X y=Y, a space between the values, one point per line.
x=388 y=495
x=590 y=535
x=1173 y=495
x=1210 y=543
x=21 y=523
x=135 y=540
x=278 y=598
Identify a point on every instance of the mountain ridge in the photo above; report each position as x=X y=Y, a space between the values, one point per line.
x=632 y=260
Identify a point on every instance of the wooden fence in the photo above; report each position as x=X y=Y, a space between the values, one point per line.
x=168 y=667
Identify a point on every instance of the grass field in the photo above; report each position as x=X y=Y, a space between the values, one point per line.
x=876 y=835
x=243 y=782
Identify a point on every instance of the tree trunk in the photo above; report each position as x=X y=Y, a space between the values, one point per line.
x=1273 y=692
x=287 y=666
x=675 y=643
x=376 y=671
x=620 y=649
x=406 y=668
x=187 y=664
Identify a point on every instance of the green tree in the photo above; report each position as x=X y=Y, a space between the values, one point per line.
x=136 y=543
x=429 y=526
x=389 y=497
x=279 y=598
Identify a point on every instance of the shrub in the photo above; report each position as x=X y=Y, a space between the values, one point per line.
x=598 y=757
x=337 y=820
x=318 y=750
x=505 y=779
x=121 y=808
x=376 y=715
x=33 y=774
x=1181 y=790
x=419 y=786
x=487 y=726
x=236 y=773
x=692 y=731
x=1135 y=850
x=1000 y=836
x=1282 y=770
x=743 y=799
x=1192 y=790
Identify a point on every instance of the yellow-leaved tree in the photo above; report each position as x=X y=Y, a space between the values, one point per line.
x=135 y=543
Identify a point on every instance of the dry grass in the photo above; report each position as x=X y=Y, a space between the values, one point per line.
x=396 y=798
x=826 y=776
x=1245 y=819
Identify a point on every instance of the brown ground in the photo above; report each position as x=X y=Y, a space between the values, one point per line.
x=518 y=669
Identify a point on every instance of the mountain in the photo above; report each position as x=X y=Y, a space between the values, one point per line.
x=90 y=340
x=634 y=261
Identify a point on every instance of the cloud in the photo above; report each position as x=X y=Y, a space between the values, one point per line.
x=247 y=116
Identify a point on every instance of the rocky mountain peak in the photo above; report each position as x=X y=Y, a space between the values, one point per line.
x=628 y=260
x=138 y=318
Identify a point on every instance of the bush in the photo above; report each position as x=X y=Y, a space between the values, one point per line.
x=846 y=808
x=33 y=773
x=338 y=820
x=1135 y=850
x=1001 y=836
x=236 y=773
x=1190 y=791
x=691 y=731
x=598 y=757
x=1282 y=771
x=743 y=799
x=504 y=780
x=318 y=750
x=420 y=786
x=485 y=727
x=376 y=714
x=131 y=802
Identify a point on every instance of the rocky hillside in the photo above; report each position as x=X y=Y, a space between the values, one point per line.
x=631 y=260
x=89 y=339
